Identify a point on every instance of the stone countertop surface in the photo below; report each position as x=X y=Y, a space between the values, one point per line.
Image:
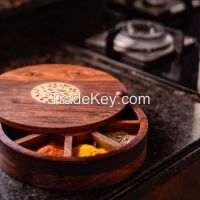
x=173 y=115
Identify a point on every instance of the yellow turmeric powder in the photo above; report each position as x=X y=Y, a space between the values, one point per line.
x=85 y=150
x=52 y=150
x=81 y=150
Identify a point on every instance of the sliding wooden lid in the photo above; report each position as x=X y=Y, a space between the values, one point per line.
x=34 y=98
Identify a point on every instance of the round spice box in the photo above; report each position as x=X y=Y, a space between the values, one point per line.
x=65 y=127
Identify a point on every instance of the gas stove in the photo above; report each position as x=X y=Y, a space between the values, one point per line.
x=163 y=52
x=160 y=7
x=196 y=3
x=160 y=10
x=140 y=42
x=155 y=8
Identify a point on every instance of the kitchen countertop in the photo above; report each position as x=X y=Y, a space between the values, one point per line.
x=174 y=115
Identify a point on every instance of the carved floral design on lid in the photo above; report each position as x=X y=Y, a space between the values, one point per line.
x=54 y=92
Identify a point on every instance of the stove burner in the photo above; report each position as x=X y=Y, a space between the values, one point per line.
x=144 y=30
x=156 y=2
x=141 y=35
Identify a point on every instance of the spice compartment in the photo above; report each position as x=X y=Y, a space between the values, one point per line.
x=110 y=137
x=64 y=172
x=41 y=144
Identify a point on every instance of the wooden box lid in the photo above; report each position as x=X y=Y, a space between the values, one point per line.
x=26 y=96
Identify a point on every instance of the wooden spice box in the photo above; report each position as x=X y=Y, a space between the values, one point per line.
x=30 y=121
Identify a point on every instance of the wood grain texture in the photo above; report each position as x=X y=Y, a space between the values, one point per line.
x=75 y=173
x=68 y=146
x=31 y=141
x=20 y=110
x=183 y=186
x=126 y=125
x=49 y=177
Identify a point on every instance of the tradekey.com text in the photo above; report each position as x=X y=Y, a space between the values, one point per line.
x=97 y=98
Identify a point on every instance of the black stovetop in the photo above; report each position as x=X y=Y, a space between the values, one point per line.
x=180 y=69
